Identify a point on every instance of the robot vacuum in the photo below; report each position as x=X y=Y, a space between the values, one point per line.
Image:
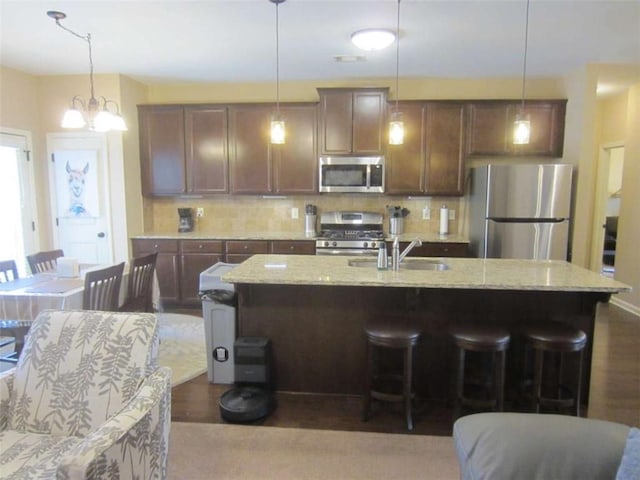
x=245 y=404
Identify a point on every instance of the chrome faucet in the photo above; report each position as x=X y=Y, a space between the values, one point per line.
x=396 y=256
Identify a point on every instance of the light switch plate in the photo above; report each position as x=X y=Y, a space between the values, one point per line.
x=199 y=212
x=294 y=212
x=452 y=214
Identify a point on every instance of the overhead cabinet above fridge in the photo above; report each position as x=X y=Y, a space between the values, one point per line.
x=520 y=211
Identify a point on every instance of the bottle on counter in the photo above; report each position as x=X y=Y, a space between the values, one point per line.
x=444 y=220
x=383 y=260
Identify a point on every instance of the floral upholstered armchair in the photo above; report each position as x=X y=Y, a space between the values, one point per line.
x=86 y=400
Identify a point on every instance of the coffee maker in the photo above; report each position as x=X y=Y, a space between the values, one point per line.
x=186 y=220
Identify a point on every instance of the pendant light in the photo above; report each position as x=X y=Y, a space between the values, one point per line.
x=522 y=124
x=93 y=114
x=396 y=125
x=277 y=124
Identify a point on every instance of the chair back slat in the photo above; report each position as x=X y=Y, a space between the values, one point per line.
x=8 y=271
x=102 y=288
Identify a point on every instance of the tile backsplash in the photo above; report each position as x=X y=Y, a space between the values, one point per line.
x=250 y=214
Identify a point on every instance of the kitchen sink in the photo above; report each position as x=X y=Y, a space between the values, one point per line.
x=406 y=264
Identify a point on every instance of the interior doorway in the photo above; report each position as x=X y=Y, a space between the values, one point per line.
x=17 y=215
x=607 y=208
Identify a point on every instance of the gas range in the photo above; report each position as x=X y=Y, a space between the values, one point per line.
x=349 y=233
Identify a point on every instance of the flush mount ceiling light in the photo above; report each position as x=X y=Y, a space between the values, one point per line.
x=522 y=124
x=373 y=38
x=277 y=124
x=89 y=113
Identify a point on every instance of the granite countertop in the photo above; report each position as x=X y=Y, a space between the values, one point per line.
x=463 y=273
x=405 y=237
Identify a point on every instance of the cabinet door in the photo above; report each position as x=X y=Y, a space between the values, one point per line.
x=487 y=125
x=191 y=264
x=336 y=118
x=547 y=128
x=369 y=109
x=249 y=162
x=206 y=153
x=445 y=147
x=295 y=164
x=406 y=162
x=162 y=150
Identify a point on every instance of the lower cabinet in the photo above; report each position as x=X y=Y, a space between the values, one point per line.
x=438 y=249
x=195 y=257
x=166 y=265
x=239 y=250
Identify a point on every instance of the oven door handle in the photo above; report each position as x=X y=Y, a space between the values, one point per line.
x=346 y=252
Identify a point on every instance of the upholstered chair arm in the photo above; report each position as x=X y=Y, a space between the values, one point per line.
x=6 y=387
x=132 y=444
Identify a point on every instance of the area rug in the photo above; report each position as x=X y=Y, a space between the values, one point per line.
x=204 y=451
x=182 y=346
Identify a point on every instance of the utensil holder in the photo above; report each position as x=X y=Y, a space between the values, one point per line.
x=396 y=225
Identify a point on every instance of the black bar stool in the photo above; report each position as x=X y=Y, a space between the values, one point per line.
x=396 y=335
x=484 y=338
x=557 y=339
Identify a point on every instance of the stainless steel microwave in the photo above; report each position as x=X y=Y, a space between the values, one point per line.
x=351 y=174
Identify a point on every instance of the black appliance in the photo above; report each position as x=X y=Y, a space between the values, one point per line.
x=186 y=220
x=252 y=398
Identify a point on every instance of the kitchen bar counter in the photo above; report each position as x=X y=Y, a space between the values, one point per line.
x=463 y=273
x=314 y=309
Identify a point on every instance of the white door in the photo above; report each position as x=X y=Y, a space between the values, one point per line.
x=17 y=215
x=79 y=174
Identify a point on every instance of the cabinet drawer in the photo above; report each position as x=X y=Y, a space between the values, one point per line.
x=151 y=245
x=248 y=246
x=293 y=247
x=202 y=246
x=438 y=249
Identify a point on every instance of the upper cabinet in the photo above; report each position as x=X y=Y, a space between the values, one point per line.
x=352 y=121
x=430 y=161
x=490 y=128
x=257 y=166
x=183 y=150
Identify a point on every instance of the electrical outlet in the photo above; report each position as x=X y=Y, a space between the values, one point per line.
x=452 y=214
x=294 y=213
x=426 y=213
x=199 y=212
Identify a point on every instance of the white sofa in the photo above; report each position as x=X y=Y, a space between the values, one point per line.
x=86 y=400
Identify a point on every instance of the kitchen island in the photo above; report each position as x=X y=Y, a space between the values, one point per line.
x=314 y=308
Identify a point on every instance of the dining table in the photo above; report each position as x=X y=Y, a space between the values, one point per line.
x=24 y=298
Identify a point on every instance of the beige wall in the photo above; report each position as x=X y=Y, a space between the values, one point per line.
x=627 y=251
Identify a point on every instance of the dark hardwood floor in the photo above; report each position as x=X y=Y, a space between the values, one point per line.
x=615 y=392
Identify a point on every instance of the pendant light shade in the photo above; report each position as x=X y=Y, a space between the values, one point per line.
x=396 y=125
x=88 y=114
x=277 y=124
x=522 y=124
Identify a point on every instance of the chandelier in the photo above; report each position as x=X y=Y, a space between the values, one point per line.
x=93 y=113
x=522 y=123
x=277 y=124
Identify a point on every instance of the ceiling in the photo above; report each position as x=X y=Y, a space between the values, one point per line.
x=170 y=41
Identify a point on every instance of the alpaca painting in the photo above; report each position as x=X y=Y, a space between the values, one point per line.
x=77 y=183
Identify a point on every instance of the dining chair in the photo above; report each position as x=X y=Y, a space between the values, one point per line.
x=140 y=286
x=8 y=271
x=44 y=261
x=102 y=288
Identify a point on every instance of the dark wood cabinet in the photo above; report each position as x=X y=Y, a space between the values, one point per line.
x=431 y=160
x=162 y=146
x=257 y=166
x=490 y=128
x=183 y=149
x=195 y=257
x=352 y=121
x=206 y=153
x=438 y=249
x=293 y=247
x=239 y=250
x=167 y=266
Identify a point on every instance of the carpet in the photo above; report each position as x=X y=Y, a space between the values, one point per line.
x=229 y=452
x=182 y=346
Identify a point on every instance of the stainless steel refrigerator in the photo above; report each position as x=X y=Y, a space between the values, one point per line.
x=520 y=211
